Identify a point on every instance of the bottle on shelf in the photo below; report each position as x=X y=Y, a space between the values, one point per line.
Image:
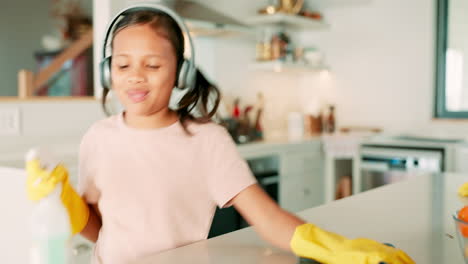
x=330 y=122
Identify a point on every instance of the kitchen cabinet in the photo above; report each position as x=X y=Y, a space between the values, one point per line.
x=301 y=177
x=338 y=166
x=290 y=173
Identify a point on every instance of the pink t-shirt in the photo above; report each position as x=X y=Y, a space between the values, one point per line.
x=157 y=189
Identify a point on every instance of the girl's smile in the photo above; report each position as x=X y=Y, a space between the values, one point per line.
x=137 y=95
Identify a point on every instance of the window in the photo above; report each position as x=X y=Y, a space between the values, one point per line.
x=452 y=59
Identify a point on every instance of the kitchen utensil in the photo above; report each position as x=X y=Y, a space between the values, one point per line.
x=313 y=56
x=259 y=107
x=247 y=110
x=268 y=10
x=295 y=125
x=299 y=54
x=311 y=14
x=290 y=6
x=330 y=121
x=315 y=124
x=232 y=126
x=246 y=115
x=236 y=110
x=360 y=129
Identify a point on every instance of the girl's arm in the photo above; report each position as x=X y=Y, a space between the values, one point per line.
x=91 y=230
x=274 y=224
x=278 y=227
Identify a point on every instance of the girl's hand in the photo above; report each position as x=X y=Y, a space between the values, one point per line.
x=43 y=176
x=312 y=242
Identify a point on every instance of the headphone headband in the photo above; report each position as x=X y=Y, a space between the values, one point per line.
x=155 y=7
x=186 y=73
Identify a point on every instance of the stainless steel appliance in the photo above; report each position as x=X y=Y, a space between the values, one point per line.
x=382 y=165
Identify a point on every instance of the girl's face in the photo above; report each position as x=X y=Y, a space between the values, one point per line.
x=143 y=70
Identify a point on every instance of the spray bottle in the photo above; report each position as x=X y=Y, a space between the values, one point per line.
x=50 y=224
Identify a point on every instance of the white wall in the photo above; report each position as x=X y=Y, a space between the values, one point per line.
x=58 y=125
x=382 y=55
x=382 y=59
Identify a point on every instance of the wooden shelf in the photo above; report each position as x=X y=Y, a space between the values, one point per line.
x=205 y=29
x=280 y=66
x=291 y=21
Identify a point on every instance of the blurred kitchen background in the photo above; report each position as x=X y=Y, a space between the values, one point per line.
x=380 y=59
x=341 y=96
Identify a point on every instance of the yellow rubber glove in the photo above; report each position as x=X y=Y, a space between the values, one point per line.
x=463 y=190
x=43 y=175
x=314 y=243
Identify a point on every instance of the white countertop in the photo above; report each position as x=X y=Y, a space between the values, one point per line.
x=413 y=215
x=412 y=141
x=274 y=145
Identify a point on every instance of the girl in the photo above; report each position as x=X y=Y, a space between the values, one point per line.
x=151 y=177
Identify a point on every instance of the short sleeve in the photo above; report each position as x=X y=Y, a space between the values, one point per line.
x=87 y=170
x=228 y=173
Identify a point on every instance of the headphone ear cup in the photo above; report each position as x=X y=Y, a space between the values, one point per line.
x=182 y=78
x=105 y=71
x=191 y=76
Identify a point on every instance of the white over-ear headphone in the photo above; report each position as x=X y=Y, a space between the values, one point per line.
x=187 y=71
